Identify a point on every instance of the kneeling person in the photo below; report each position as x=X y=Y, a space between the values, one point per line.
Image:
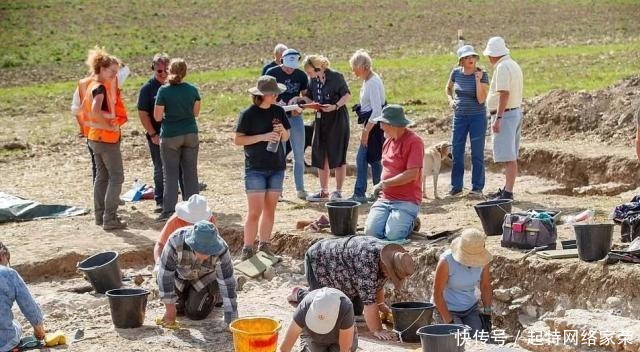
x=325 y=319
x=196 y=273
x=393 y=215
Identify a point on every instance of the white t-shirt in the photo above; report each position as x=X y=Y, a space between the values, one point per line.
x=372 y=96
x=507 y=75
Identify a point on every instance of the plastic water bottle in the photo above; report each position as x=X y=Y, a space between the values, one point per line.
x=585 y=216
x=273 y=146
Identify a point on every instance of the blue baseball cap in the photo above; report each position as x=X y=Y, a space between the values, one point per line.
x=291 y=58
x=204 y=238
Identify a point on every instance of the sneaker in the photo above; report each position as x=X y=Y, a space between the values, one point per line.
x=302 y=195
x=416 y=224
x=495 y=195
x=359 y=199
x=293 y=296
x=476 y=193
x=335 y=195
x=158 y=208
x=321 y=196
x=115 y=224
x=247 y=252
x=121 y=202
x=454 y=193
x=265 y=247
x=164 y=216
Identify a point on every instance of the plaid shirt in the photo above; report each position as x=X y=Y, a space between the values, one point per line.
x=349 y=264
x=178 y=265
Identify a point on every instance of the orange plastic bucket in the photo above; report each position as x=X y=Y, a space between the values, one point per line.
x=255 y=334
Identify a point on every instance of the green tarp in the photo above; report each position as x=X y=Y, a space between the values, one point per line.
x=14 y=208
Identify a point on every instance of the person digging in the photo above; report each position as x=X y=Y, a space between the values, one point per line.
x=359 y=266
x=195 y=274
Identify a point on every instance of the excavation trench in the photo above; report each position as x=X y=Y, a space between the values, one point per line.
x=524 y=290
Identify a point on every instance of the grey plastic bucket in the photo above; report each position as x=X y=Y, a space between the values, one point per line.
x=408 y=317
x=491 y=214
x=593 y=240
x=128 y=307
x=103 y=271
x=443 y=337
x=343 y=217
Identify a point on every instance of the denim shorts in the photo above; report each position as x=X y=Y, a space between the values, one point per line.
x=263 y=180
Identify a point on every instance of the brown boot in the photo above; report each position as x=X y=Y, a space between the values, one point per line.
x=115 y=224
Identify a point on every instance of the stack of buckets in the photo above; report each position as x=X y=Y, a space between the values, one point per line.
x=255 y=334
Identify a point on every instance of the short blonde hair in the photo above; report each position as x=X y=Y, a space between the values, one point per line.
x=361 y=59
x=98 y=58
x=316 y=62
x=177 y=71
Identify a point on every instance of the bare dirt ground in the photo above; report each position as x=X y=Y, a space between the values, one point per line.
x=46 y=252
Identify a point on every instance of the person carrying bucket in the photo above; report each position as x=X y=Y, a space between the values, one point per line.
x=463 y=269
x=196 y=274
x=325 y=319
x=359 y=266
x=13 y=289
x=187 y=213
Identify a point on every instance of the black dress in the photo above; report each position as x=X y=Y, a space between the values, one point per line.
x=331 y=130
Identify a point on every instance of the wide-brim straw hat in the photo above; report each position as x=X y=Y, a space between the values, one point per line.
x=469 y=249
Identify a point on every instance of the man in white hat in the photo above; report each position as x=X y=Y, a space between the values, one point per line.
x=186 y=214
x=325 y=319
x=196 y=273
x=503 y=102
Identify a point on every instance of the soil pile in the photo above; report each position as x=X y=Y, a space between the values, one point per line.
x=607 y=115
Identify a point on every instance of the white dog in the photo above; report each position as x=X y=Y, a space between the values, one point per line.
x=433 y=157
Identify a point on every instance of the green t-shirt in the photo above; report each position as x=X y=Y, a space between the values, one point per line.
x=178 y=103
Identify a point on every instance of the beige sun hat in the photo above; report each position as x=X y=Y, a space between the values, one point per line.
x=267 y=85
x=468 y=249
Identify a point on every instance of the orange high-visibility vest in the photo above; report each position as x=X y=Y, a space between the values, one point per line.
x=81 y=115
x=101 y=129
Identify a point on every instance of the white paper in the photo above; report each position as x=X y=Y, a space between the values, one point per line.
x=288 y=108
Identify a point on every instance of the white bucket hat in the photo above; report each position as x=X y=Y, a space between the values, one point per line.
x=468 y=249
x=323 y=311
x=496 y=47
x=466 y=50
x=194 y=210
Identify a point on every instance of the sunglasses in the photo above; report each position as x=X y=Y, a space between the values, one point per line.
x=162 y=71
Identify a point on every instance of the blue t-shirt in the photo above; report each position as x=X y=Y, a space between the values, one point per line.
x=460 y=291
x=464 y=87
x=147 y=100
x=295 y=82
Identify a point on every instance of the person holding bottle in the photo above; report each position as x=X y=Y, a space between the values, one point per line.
x=260 y=129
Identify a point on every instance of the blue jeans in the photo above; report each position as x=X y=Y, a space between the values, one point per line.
x=296 y=138
x=475 y=126
x=362 y=167
x=391 y=220
x=263 y=180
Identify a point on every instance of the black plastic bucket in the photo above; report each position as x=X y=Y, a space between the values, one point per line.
x=593 y=240
x=343 y=217
x=491 y=214
x=408 y=317
x=442 y=337
x=103 y=271
x=128 y=306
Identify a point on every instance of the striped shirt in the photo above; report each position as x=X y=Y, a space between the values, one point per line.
x=178 y=265
x=464 y=87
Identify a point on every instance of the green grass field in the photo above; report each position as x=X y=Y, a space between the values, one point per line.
x=575 y=45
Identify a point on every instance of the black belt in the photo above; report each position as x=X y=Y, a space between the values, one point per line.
x=493 y=112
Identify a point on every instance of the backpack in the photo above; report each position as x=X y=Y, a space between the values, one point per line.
x=527 y=231
x=630 y=226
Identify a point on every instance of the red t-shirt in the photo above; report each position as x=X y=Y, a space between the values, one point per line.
x=407 y=152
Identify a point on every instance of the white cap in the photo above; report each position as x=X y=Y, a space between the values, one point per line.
x=496 y=47
x=193 y=210
x=323 y=311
